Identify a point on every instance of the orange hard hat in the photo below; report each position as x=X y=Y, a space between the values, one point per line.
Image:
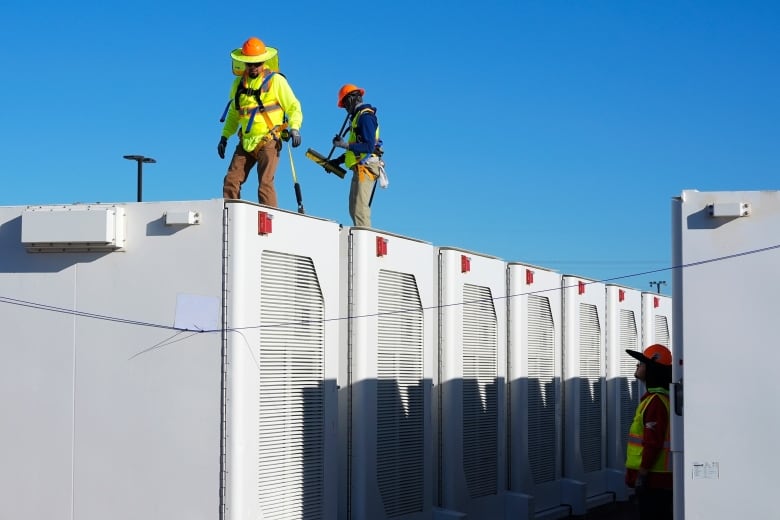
x=253 y=47
x=656 y=353
x=253 y=51
x=346 y=89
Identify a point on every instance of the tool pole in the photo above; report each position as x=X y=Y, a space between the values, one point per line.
x=340 y=134
x=373 y=190
x=298 y=195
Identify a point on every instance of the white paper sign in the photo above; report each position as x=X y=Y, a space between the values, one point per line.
x=708 y=470
x=195 y=312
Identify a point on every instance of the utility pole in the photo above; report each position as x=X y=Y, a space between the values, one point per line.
x=140 y=159
x=658 y=284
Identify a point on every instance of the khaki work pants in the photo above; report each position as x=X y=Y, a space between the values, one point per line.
x=266 y=156
x=363 y=179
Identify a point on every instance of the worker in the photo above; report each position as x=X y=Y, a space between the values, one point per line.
x=263 y=110
x=648 y=459
x=363 y=152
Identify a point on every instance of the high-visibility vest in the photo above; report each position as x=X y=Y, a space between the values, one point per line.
x=350 y=159
x=260 y=108
x=662 y=464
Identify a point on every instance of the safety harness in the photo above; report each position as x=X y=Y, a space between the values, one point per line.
x=274 y=130
x=378 y=148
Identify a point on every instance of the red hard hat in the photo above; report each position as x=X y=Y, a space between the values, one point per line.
x=656 y=353
x=346 y=89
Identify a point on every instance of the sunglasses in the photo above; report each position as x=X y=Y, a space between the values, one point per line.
x=255 y=64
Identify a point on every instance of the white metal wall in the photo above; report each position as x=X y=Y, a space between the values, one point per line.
x=535 y=396
x=623 y=327
x=472 y=357
x=282 y=305
x=109 y=412
x=725 y=330
x=387 y=375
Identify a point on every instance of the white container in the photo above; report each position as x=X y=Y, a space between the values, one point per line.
x=584 y=372
x=386 y=375
x=535 y=392
x=472 y=347
x=624 y=332
x=171 y=377
x=725 y=293
x=656 y=320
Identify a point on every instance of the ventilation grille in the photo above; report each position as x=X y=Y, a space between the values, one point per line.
x=542 y=391
x=480 y=376
x=291 y=366
x=590 y=388
x=629 y=388
x=400 y=415
x=662 y=331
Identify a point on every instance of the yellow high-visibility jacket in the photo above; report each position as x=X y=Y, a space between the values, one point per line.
x=278 y=100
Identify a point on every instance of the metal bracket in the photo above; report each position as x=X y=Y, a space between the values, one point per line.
x=729 y=209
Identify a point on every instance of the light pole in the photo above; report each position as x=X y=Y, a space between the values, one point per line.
x=658 y=285
x=140 y=159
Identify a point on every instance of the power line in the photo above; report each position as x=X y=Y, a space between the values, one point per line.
x=51 y=308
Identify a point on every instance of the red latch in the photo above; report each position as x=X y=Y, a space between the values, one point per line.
x=581 y=287
x=465 y=264
x=621 y=295
x=381 y=246
x=529 y=277
x=264 y=221
x=656 y=301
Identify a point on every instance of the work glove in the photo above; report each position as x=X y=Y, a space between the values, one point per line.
x=336 y=162
x=340 y=143
x=295 y=137
x=221 y=147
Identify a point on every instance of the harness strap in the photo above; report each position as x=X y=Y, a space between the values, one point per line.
x=242 y=89
x=377 y=146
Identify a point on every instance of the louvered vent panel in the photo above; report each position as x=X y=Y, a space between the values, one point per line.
x=400 y=415
x=662 y=331
x=542 y=390
x=291 y=366
x=629 y=388
x=590 y=388
x=480 y=405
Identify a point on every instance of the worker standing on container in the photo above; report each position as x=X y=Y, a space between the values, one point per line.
x=263 y=109
x=648 y=458
x=363 y=153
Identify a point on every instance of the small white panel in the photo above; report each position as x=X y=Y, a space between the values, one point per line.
x=729 y=209
x=182 y=218
x=73 y=228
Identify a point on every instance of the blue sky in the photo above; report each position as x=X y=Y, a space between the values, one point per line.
x=549 y=132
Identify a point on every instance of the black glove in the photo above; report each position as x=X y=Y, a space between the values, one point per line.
x=336 y=162
x=221 y=147
x=295 y=136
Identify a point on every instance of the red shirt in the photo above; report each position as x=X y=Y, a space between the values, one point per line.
x=656 y=419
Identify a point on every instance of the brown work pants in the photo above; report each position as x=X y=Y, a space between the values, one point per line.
x=266 y=156
x=363 y=179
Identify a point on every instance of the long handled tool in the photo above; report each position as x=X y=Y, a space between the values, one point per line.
x=340 y=134
x=373 y=190
x=325 y=161
x=298 y=195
